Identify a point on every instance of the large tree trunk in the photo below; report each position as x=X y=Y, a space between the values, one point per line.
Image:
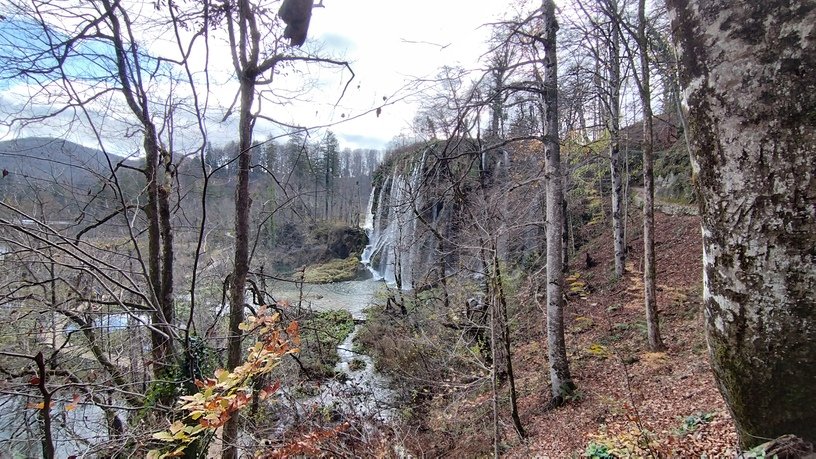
x=748 y=73
x=560 y=378
x=649 y=271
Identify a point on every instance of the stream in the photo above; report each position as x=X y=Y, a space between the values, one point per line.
x=363 y=393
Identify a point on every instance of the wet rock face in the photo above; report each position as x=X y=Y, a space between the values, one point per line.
x=341 y=242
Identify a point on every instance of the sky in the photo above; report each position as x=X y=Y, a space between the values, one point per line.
x=390 y=44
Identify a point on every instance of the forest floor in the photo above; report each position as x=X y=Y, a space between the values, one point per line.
x=629 y=402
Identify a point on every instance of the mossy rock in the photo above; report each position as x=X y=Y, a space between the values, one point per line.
x=337 y=270
x=357 y=365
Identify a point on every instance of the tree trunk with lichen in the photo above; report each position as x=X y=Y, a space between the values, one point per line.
x=560 y=379
x=748 y=73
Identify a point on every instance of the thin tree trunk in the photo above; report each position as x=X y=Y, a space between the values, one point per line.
x=494 y=380
x=45 y=412
x=747 y=70
x=613 y=124
x=502 y=302
x=560 y=378
x=652 y=320
x=241 y=260
x=499 y=354
x=565 y=232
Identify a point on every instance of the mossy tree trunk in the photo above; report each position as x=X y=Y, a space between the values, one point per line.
x=748 y=73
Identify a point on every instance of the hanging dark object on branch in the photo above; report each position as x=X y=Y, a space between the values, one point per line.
x=296 y=14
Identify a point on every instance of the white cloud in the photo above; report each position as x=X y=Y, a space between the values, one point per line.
x=389 y=44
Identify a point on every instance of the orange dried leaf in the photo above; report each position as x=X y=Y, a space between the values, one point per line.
x=293 y=327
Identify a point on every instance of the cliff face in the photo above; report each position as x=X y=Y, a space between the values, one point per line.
x=438 y=210
x=443 y=207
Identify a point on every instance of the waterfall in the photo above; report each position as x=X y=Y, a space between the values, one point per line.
x=374 y=229
x=392 y=230
x=414 y=203
x=368 y=226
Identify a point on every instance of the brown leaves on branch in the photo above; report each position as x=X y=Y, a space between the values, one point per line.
x=227 y=392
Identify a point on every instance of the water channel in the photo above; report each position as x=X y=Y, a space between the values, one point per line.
x=362 y=393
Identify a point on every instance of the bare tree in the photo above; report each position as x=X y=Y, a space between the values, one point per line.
x=110 y=250
x=613 y=124
x=649 y=270
x=158 y=163
x=643 y=83
x=560 y=379
x=251 y=61
x=600 y=36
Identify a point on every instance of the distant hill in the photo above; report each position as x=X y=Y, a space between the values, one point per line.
x=44 y=158
x=57 y=180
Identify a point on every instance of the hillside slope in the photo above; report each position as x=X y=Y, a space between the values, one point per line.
x=55 y=159
x=630 y=402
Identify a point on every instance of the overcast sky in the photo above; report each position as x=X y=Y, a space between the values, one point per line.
x=389 y=43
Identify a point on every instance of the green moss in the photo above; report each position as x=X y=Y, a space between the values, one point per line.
x=320 y=334
x=336 y=270
x=330 y=326
x=765 y=403
x=598 y=350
